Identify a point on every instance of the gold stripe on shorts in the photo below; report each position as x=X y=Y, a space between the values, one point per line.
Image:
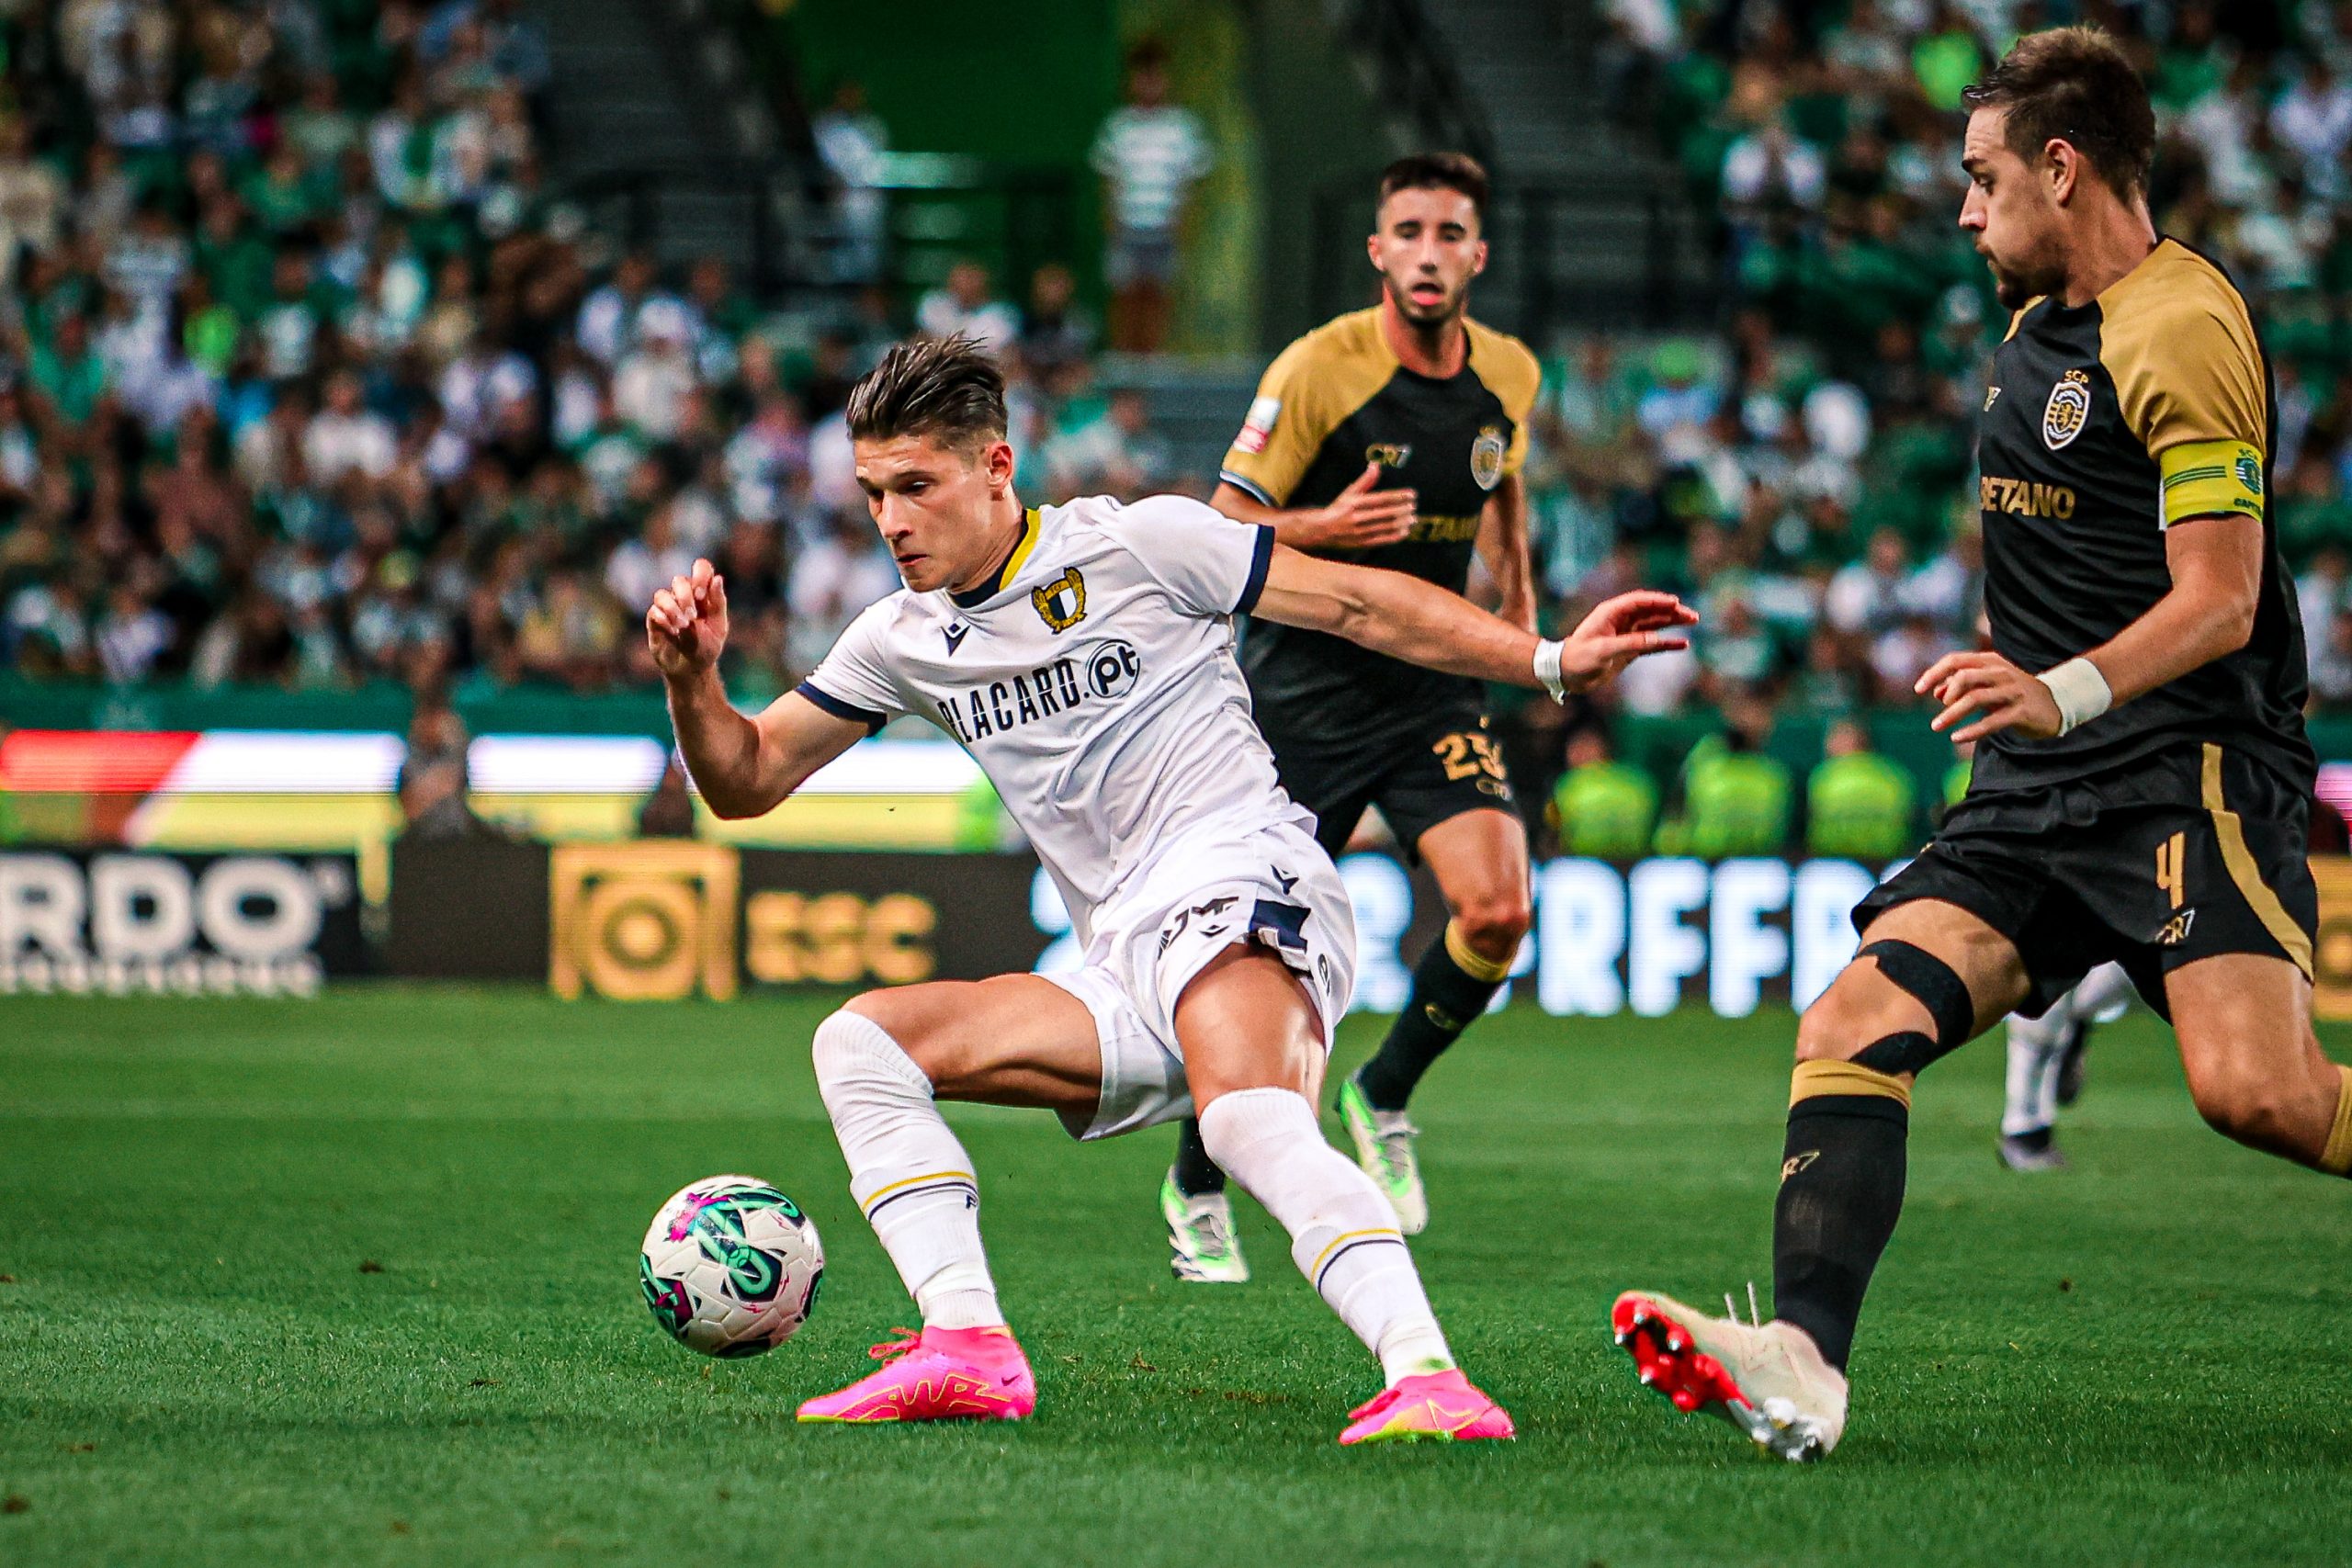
x=2231 y=833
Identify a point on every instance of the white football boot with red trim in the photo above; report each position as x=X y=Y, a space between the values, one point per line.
x=1766 y=1379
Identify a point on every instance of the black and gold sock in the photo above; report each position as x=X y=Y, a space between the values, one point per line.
x=1841 y=1191
x=1195 y=1174
x=1452 y=985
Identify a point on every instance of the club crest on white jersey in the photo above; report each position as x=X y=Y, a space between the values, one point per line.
x=1092 y=679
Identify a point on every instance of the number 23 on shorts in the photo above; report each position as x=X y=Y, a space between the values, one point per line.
x=1468 y=753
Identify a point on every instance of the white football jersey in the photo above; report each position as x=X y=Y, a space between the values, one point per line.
x=1093 y=681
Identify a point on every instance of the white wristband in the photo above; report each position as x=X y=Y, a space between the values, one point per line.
x=1547 y=668
x=2081 y=692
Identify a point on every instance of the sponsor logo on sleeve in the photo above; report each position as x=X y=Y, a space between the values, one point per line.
x=1257 y=427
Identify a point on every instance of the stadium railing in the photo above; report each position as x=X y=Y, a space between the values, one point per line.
x=1565 y=256
x=1415 y=71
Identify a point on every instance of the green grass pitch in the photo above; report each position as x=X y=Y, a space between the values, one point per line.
x=351 y=1281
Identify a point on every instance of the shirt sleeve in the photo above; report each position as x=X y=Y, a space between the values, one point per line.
x=1515 y=455
x=1209 y=564
x=1287 y=426
x=1200 y=155
x=2194 y=395
x=1517 y=381
x=855 y=681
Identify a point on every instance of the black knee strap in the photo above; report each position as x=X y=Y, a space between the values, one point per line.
x=1935 y=982
x=1906 y=1053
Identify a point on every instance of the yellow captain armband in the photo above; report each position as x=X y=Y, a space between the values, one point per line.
x=2208 y=478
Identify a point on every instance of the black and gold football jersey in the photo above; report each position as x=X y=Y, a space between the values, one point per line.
x=2105 y=424
x=1333 y=402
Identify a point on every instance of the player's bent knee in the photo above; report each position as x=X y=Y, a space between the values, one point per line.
x=1876 y=1024
x=1836 y=1028
x=850 y=1050
x=1495 y=927
x=2250 y=1113
x=2258 y=1108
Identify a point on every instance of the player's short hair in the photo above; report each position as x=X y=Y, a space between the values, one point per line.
x=1437 y=171
x=946 y=387
x=2074 y=84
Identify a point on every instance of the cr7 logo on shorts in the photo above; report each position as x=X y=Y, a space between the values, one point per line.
x=2172 y=876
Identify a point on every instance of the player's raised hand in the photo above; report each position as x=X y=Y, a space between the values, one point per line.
x=687 y=626
x=1360 y=517
x=1620 y=630
x=2001 y=696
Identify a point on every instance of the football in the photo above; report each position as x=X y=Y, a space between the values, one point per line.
x=730 y=1266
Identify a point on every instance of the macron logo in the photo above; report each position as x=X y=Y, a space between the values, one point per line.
x=956 y=635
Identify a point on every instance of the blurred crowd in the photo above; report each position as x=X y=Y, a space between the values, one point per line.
x=307 y=378
x=1809 y=476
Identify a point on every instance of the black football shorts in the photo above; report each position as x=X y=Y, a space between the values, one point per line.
x=1418 y=774
x=2178 y=857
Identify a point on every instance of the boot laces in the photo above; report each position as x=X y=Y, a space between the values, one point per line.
x=1755 y=1315
x=891 y=1349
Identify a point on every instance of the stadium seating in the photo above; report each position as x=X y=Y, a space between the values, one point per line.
x=311 y=382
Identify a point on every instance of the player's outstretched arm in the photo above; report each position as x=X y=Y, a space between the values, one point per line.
x=743 y=767
x=1420 y=623
x=2208 y=614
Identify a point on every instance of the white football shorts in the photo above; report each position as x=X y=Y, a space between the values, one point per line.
x=1274 y=887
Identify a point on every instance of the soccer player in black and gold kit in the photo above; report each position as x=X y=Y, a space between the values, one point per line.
x=2141 y=774
x=1391 y=436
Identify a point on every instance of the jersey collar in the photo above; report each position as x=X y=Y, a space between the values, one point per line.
x=974 y=598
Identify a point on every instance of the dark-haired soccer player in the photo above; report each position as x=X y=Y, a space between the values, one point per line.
x=2141 y=773
x=1392 y=436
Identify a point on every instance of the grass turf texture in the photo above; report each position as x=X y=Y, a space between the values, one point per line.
x=350 y=1281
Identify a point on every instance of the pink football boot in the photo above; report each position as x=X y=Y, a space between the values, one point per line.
x=941 y=1374
x=1443 y=1405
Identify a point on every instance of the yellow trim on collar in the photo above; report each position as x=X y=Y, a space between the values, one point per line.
x=1030 y=528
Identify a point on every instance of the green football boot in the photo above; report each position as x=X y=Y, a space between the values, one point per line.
x=1383 y=1141
x=1202 y=1246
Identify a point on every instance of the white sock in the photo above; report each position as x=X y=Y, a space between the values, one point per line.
x=2105 y=988
x=2029 y=1103
x=907 y=1171
x=1343 y=1233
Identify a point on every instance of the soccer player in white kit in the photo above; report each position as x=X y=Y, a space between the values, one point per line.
x=2046 y=1065
x=1083 y=655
